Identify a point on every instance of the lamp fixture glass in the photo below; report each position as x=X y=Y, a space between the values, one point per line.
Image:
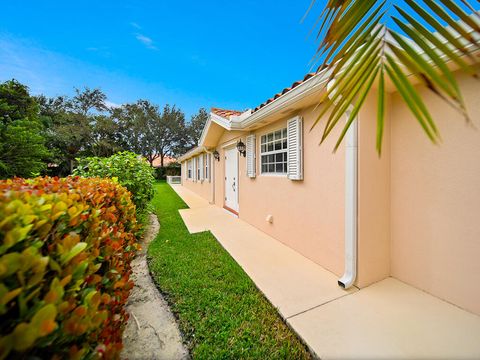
x=241 y=147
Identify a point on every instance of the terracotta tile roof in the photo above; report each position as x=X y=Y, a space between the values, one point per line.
x=225 y=113
x=294 y=85
x=166 y=160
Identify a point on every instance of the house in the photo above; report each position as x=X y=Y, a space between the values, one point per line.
x=411 y=213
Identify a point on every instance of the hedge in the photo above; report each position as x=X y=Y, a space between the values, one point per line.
x=130 y=169
x=173 y=169
x=65 y=251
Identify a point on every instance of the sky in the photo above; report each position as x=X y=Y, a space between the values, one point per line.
x=228 y=54
x=192 y=54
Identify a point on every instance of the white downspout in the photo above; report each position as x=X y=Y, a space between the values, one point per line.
x=351 y=205
x=351 y=200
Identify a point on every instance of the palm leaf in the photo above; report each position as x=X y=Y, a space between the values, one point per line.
x=437 y=43
x=359 y=50
x=380 y=110
x=447 y=18
x=354 y=88
x=361 y=99
x=354 y=67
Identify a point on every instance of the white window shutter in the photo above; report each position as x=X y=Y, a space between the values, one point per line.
x=209 y=164
x=295 y=148
x=251 y=156
x=202 y=167
x=194 y=169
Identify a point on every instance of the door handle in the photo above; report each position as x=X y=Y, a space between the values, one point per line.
x=233 y=186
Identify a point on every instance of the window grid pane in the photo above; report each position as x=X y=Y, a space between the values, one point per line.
x=273 y=150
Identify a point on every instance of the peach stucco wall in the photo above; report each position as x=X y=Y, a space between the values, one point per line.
x=373 y=198
x=201 y=187
x=435 y=200
x=307 y=215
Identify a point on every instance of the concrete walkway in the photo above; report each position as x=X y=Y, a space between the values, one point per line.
x=151 y=332
x=388 y=319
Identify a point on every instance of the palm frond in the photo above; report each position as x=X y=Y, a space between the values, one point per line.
x=361 y=51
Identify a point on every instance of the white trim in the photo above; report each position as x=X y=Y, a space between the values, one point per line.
x=205 y=131
x=309 y=86
x=221 y=121
x=229 y=143
x=191 y=153
x=282 y=175
x=273 y=152
x=228 y=124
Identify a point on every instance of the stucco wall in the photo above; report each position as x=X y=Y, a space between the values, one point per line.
x=373 y=197
x=308 y=215
x=435 y=200
x=202 y=188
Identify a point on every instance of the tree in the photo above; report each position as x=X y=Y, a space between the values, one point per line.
x=86 y=100
x=22 y=143
x=77 y=126
x=147 y=131
x=359 y=49
x=197 y=123
x=16 y=102
x=104 y=137
x=167 y=134
x=23 y=150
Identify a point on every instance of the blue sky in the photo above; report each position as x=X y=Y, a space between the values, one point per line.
x=232 y=54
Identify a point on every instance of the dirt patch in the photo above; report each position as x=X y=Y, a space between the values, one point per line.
x=151 y=331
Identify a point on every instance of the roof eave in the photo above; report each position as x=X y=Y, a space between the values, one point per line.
x=315 y=84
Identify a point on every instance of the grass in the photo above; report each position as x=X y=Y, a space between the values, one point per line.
x=221 y=313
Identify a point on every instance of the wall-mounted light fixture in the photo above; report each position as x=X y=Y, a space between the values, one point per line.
x=241 y=148
x=216 y=155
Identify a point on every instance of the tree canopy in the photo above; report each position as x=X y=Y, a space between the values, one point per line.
x=22 y=145
x=46 y=135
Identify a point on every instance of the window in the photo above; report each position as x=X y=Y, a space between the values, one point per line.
x=207 y=163
x=198 y=167
x=189 y=171
x=273 y=151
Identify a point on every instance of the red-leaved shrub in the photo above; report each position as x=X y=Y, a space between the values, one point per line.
x=65 y=251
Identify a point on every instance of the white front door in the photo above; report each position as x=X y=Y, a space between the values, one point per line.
x=231 y=178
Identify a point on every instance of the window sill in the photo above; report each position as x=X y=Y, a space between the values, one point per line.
x=273 y=175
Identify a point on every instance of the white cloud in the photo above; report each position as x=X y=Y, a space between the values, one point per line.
x=145 y=40
x=52 y=73
x=135 y=25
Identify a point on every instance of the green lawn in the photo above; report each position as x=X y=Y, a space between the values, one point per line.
x=221 y=313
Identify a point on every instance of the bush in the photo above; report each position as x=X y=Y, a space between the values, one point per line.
x=65 y=252
x=131 y=170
